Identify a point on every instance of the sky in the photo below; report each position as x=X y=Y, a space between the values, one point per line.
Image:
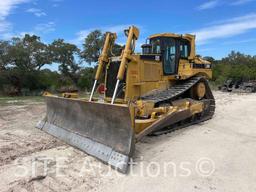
x=220 y=26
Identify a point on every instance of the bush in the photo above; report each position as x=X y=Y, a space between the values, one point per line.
x=236 y=66
x=86 y=79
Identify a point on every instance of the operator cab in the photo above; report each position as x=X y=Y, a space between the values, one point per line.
x=170 y=48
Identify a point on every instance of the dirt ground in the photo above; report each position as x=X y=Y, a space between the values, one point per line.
x=217 y=155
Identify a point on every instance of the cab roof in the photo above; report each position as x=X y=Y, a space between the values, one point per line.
x=170 y=35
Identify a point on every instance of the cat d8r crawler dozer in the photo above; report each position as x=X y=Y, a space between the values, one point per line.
x=160 y=90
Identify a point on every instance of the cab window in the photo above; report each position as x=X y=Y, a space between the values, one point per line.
x=184 y=49
x=156 y=48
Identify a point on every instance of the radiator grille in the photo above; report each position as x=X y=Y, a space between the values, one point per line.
x=111 y=81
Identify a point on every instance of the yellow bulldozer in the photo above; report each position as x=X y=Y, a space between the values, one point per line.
x=162 y=89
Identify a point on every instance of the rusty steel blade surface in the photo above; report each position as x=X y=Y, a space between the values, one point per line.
x=101 y=130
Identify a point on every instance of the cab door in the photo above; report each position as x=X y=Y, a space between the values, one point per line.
x=170 y=56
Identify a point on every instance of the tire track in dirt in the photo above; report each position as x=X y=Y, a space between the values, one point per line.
x=17 y=139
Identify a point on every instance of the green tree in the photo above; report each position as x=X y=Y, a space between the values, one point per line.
x=93 y=45
x=64 y=54
x=237 y=66
x=21 y=59
x=29 y=53
x=4 y=57
x=86 y=78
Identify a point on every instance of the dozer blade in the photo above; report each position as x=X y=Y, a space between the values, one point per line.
x=101 y=130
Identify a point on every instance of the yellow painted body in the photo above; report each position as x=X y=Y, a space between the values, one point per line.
x=109 y=41
x=70 y=95
x=143 y=76
x=108 y=129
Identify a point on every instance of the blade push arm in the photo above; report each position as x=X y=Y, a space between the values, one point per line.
x=132 y=35
x=109 y=41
